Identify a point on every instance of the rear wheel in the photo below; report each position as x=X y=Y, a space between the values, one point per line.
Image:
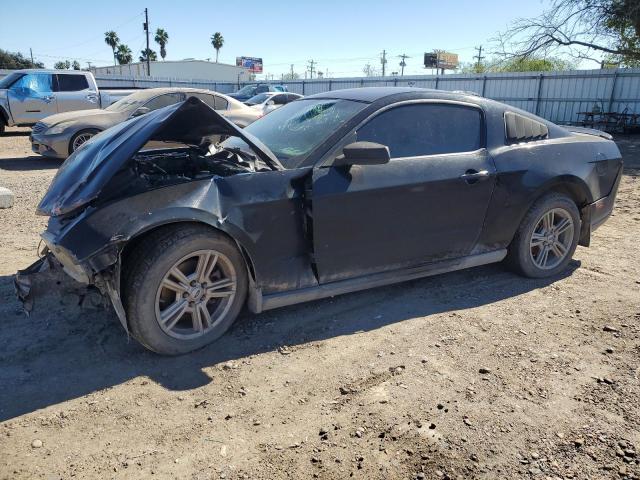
x=183 y=289
x=80 y=138
x=547 y=237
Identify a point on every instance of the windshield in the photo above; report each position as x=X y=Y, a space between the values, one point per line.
x=261 y=97
x=9 y=79
x=294 y=130
x=131 y=102
x=248 y=90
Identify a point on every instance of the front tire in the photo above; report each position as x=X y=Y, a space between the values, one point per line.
x=547 y=237
x=80 y=138
x=183 y=288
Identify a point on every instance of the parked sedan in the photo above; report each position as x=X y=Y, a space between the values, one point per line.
x=62 y=134
x=248 y=91
x=330 y=194
x=268 y=102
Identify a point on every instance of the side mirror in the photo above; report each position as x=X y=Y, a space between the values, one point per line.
x=270 y=103
x=363 y=153
x=140 y=111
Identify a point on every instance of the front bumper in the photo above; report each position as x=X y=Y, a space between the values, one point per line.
x=54 y=146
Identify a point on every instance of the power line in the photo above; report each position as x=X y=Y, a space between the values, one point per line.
x=403 y=63
x=479 y=56
x=311 y=68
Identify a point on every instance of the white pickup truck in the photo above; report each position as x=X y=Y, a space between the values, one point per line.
x=27 y=96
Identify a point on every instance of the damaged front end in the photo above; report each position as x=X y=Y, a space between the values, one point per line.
x=149 y=171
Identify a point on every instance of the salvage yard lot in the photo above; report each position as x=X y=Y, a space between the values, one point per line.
x=473 y=374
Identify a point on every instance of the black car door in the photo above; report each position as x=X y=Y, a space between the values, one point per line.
x=427 y=204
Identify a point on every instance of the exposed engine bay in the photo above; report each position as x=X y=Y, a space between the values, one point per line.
x=162 y=166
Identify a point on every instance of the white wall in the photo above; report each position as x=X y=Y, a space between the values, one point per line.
x=181 y=69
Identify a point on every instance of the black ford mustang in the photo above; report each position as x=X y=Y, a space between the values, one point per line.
x=330 y=194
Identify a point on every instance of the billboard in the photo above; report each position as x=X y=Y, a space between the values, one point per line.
x=253 y=64
x=444 y=60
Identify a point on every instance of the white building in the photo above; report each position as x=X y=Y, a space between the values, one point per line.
x=188 y=69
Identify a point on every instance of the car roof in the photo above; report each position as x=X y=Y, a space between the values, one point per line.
x=371 y=94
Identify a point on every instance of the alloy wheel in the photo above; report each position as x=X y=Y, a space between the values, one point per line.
x=551 y=239
x=195 y=294
x=80 y=139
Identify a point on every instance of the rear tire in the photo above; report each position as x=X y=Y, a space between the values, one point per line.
x=547 y=237
x=173 y=305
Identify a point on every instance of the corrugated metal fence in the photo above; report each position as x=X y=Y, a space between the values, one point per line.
x=557 y=96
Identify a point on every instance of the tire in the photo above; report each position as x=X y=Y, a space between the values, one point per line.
x=2 y=126
x=88 y=132
x=526 y=252
x=147 y=302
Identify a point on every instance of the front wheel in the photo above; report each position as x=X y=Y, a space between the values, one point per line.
x=183 y=288
x=80 y=138
x=547 y=237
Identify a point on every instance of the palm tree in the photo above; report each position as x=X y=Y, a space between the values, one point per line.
x=150 y=53
x=111 y=39
x=124 y=55
x=162 y=38
x=217 y=41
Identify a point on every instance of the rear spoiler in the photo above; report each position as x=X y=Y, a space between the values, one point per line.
x=589 y=131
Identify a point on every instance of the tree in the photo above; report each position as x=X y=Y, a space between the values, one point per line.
x=369 y=71
x=162 y=38
x=14 y=61
x=519 y=64
x=147 y=52
x=291 y=76
x=62 y=65
x=124 y=55
x=111 y=39
x=76 y=65
x=609 y=28
x=217 y=40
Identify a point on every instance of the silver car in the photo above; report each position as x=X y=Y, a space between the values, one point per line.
x=59 y=135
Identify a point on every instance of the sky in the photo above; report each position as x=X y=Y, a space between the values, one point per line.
x=341 y=36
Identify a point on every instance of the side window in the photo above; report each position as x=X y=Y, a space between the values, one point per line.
x=208 y=99
x=262 y=88
x=279 y=99
x=221 y=103
x=164 y=100
x=72 y=83
x=425 y=129
x=34 y=83
x=292 y=97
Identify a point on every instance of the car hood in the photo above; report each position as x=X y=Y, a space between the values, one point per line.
x=82 y=176
x=94 y=116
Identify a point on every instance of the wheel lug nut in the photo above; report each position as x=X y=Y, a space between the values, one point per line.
x=193 y=283
x=185 y=295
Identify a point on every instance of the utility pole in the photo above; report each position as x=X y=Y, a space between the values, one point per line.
x=383 y=61
x=403 y=63
x=311 y=68
x=31 y=52
x=292 y=71
x=146 y=29
x=479 y=57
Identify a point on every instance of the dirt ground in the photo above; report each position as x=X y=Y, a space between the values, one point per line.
x=474 y=374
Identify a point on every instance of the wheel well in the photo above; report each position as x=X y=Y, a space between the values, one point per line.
x=571 y=190
x=130 y=246
x=4 y=118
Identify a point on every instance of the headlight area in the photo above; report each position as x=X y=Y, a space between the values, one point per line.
x=57 y=129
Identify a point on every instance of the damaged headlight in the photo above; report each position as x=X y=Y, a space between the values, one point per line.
x=58 y=128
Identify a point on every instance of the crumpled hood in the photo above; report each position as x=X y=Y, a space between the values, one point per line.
x=82 y=176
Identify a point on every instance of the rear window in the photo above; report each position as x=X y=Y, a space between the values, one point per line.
x=72 y=83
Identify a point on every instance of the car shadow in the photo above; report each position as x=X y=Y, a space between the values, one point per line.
x=63 y=352
x=16 y=133
x=32 y=162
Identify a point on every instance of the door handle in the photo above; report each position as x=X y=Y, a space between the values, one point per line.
x=474 y=176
